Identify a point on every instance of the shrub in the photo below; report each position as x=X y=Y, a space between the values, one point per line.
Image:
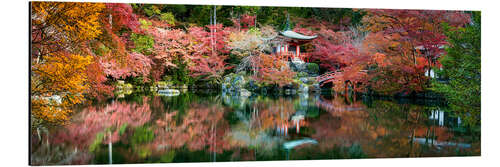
x=312 y=68
x=143 y=43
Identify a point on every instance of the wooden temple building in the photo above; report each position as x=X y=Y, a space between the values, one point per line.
x=287 y=44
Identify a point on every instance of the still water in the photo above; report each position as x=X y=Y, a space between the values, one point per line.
x=213 y=127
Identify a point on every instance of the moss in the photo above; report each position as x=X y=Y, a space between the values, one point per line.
x=302 y=74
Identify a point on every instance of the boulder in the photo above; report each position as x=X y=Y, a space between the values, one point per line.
x=245 y=93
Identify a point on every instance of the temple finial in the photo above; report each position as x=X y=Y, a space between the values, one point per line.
x=287 y=22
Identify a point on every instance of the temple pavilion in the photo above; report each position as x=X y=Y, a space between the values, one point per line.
x=287 y=44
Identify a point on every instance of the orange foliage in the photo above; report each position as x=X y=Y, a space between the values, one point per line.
x=272 y=70
x=60 y=25
x=57 y=84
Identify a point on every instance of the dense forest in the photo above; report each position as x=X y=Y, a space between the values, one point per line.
x=86 y=52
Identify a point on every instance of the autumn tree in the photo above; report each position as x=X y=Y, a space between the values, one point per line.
x=208 y=62
x=248 y=45
x=58 y=79
x=273 y=71
x=57 y=84
x=415 y=39
x=58 y=26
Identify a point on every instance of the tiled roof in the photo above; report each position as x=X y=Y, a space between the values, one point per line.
x=292 y=34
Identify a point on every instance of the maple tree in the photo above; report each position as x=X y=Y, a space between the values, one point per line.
x=57 y=84
x=208 y=62
x=273 y=71
x=413 y=43
x=58 y=26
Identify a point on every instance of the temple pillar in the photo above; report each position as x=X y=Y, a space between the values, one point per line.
x=297 y=50
x=286 y=49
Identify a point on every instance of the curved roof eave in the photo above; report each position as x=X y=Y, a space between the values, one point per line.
x=295 y=35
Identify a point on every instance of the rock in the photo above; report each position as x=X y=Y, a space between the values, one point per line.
x=303 y=88
x=304 y=79
x=316 y=87
x=169 y=92
x=245 y=93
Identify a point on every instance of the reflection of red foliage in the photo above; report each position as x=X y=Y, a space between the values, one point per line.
x=202 y=127
x=93 y=120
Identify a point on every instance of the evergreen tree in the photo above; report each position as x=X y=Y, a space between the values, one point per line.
x=462 y=69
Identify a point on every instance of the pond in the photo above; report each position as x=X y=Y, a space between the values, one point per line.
x=213 y=127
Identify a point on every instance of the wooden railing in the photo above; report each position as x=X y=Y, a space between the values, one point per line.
x=290 y=55
x=325 y=76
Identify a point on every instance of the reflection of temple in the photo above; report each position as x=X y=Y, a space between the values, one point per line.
x=296 y=122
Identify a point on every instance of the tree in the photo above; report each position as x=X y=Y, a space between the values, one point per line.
x=117 y=60
x=211 y=49
x=413 y=43
x=249 y=44
x=273 y=71
x=343 y=53
x=60 y=33
x=57 y=84
x=58 y=26
x=462 y=67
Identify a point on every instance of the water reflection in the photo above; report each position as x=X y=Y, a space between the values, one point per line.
x=217 y=127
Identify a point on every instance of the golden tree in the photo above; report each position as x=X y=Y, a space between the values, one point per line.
x=60 y=26
x=59 y=77
x=58 y=84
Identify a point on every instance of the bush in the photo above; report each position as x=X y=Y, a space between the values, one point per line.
x=302 y=74
x=168 y=17
x=312 y=68
x=143 y=43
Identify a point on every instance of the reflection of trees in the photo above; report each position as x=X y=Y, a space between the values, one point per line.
x=387 y=129
x=255 y=127
x=202 y=127
x=250 y=130
x=90 y=126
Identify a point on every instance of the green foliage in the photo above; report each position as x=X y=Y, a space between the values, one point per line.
x=312 y=68
x=101 y=50
x=143 y=43
x=462 y=68
x=254 y=30
x=179 y=75
x=142 y=134
x=134 y=81
x=97 y=141
x=167 y=157
x=168 y=17
x=151 y=10
x=355 y=151
x=122 y=129
x=145 y=24
x=302 y=74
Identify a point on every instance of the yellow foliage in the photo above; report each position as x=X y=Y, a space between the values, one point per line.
x=57 y=84
x=67 y=21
